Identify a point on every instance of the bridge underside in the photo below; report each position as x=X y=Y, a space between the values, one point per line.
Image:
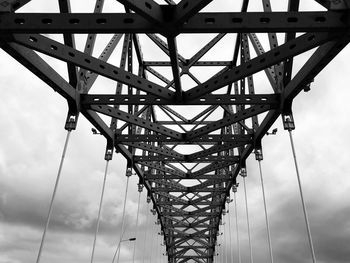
x=185 y=94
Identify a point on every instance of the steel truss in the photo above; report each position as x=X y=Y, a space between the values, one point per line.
x=189 y=188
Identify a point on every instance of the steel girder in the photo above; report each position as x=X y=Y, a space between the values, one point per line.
x=149 y=125
x=251 y=22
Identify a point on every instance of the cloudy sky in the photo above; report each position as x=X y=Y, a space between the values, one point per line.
x=32 y=136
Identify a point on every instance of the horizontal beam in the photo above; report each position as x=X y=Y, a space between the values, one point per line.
x=166 y=139
x=203 y=190
x=207 y=226
x=250 y=22
x=193 y=214
x=188 y=203
x=198 y=63
x=194 y=257
x=199 y=247
x=190 y=225
x=207 y=159
x=247 y=99
x=187 y=176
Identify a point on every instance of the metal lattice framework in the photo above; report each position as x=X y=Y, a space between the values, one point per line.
x=187 y=137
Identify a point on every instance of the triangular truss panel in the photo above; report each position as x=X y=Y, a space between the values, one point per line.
x=187 y=139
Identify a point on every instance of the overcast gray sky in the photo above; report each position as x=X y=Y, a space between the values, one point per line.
x=32 y=136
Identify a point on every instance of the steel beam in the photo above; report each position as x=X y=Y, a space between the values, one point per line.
x=173 y=190
x=121 y=115
x=272 y=57
x=320 y=59
x=335 y=4
x=64 y=6
x=149 y=9
x=164 y=169
x=226 y=121
x=250 y=22
x=214 y=99
x=187 y=9
x=60 y=51
x=162 y=151
x=41 y=69
x=185 y=159
x=12 y=5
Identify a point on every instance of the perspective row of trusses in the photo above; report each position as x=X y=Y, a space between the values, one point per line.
x=188 y=158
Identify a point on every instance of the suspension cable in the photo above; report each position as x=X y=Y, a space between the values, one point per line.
x=229 y=229
x=215 y=250
x=302 y=199
x=53 y=195
x=117 y=251
x=234 y=188
x=159 y=248
x=266 y=215
x=220 y=246
x=160 y=244
x=152 y=241
x=223 y=237
x=214 y=255
x=145 y=239
x=244 y=175
x=99 y=212
x=140 y=186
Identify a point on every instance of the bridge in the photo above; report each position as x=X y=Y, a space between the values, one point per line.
x=185 y=91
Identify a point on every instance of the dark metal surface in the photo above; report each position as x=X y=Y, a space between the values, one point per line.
x=153 y=115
